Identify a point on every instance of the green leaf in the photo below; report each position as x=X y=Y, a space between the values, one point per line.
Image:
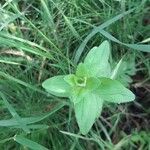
x=92 y=84
x=77 y=94
x=82 y=70
x=28 y=143
x=57 y=86
x=116 y=69
x=96 y=61
x=70 y=79
x=114 y=91
x=87 y=110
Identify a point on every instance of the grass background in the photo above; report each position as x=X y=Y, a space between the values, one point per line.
x=40 y=39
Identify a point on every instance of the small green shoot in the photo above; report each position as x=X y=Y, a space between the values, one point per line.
x=90 y=87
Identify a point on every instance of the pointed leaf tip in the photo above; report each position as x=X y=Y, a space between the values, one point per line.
x=97 y=60
x=87 y=110
x=113 y=91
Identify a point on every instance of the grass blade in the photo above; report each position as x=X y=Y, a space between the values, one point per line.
x=9 y=62
x=96 y=30
x=9 y=77
x=77 y=136
x=9 y=36
x=24 y=47
x=141 y=47
x=28 y=143
x=30 y=120
x=14 y=114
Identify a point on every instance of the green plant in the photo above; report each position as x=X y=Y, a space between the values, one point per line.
x=90 y=87
x=34 y=47
x=126 y=69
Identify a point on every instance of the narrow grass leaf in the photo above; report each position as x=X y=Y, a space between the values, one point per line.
x=141 y=47
x=76 y=135
x=28 y=143
x=14 y=114
x=33 y=26
x=37 y=126
x=9 y=62
x=8 y=21
x=48 y=14
x=31 y=120
x=96 y=30
x=68 y=22
x=9 y=36
x=11 y=78
x=24 y=47
x=48 y=17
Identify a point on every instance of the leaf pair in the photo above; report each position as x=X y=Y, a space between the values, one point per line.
x=90 y=87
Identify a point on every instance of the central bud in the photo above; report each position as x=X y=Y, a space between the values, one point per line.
x=81 y=81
